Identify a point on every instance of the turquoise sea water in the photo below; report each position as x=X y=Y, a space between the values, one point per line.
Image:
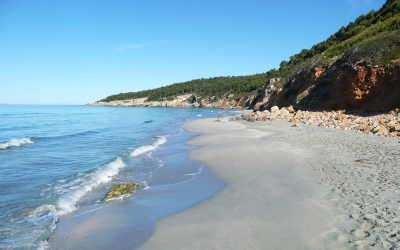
x=57 y=160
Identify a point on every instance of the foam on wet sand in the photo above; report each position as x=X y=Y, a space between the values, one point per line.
x=303 y=187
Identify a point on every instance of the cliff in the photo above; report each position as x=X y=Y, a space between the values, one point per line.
x=181 y=101
x=356 y=68
x=362 y=87
x=357 y=80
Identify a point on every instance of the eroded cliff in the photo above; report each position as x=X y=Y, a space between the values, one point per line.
x=362 y=86
x=182 y=101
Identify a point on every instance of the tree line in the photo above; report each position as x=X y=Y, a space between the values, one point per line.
x=214 y=87
x=364 y=28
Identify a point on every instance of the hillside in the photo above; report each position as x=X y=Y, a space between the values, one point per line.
x=355 y=68
x=214 y=88
x=352 y=69
x=365 y=77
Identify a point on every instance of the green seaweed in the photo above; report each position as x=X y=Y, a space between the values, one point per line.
x=121 y=189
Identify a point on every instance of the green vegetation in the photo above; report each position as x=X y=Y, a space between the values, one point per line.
x=374 y=37
x=380 y=49
x=301 y=96
x=191 y=99
x=389 y=55
x=212 y=88
x=365 y=27
x=121 y=189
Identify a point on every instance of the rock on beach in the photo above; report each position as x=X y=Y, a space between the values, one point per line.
x=121 y=189
x=370 y=123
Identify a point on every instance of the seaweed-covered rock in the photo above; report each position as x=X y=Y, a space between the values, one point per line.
x=121 y=189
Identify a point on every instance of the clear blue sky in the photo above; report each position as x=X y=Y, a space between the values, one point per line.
x=75 y=52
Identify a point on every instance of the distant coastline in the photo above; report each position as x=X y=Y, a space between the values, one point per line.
x=182 y=101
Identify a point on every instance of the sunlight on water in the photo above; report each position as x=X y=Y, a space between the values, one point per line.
x=55 y=158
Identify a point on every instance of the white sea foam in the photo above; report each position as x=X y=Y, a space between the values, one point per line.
x=177 y=183
x=71 y=191
x=199 y=115
x=44 y=215
x=43 y=245
x=148 y=148
x=144 y=185
x=160 y=165
x=16 y=142
x=198 y=171
x=74 y=190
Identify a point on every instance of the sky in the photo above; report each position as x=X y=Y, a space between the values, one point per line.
x=77 y=52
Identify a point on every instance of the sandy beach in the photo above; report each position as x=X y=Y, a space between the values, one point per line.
x=302 y=187
x=286 y=187
x=273 y=198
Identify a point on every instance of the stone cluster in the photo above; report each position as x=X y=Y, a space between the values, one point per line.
x=380 y=124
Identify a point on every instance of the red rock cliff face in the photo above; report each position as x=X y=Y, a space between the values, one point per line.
x=360 y=87
x=374 y=88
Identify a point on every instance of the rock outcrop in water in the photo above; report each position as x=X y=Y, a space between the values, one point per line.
x=121 y=189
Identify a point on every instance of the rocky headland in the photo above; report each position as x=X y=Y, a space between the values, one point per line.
x=356 y=68
x=341 y=85
x=181 y=101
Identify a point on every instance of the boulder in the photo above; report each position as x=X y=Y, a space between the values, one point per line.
x=284 y=113
x=391 y=126
x=299 y=114
x=272 y=117
x=274 y=109
x=383 y=131
x=121 y=189
x=246 y=116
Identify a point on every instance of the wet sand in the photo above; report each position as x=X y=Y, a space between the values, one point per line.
x=179 y=184
x=274 y=198
x=303 y=187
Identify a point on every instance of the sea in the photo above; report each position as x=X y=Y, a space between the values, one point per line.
x=56 y=161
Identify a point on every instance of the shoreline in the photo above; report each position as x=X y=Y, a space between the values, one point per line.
x=128 y=222
x=302 y=187
x=273 y=198
x=346 y=186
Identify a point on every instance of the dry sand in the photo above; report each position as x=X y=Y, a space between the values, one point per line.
x=302 y=187
x=274 y=198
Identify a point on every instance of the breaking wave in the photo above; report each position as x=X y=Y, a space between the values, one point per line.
x=16 y=142
x=145 y=149
x=74 y=190
x=71 y=191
